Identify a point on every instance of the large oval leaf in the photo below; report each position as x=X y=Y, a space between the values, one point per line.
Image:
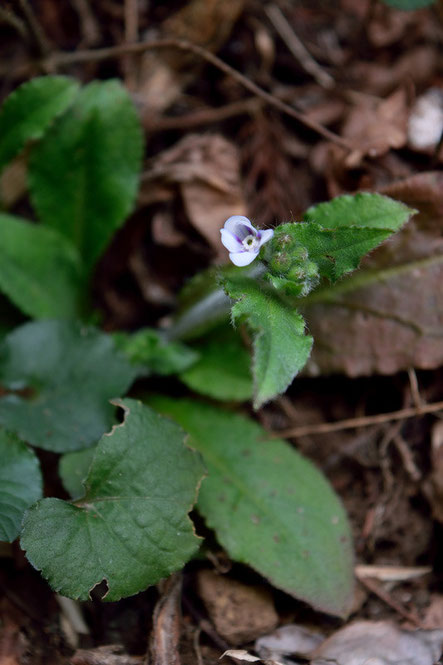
x=40 y=270
x=20 y=483
x=269 y=506
x=58 y=377
x=28 y=112
x=131 y=528
x=84 y=174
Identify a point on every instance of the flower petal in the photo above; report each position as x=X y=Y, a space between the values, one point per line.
x=242 y=258
x=231 y=242
x=265 y=236
x=240 y=226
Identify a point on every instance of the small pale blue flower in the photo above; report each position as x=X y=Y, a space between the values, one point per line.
x=242 y=240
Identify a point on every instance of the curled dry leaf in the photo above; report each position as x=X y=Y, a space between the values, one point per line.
x=379 y=643
x=205 y=171
x=389 y=316
x=374 y=126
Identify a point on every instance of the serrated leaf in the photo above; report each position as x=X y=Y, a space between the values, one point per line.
x=73 y=469
x=335 y=251
x=372 y=211
x=20 y=483
x=409 y=5
x=223 y=370
x=281 y=347
x=147 y=349
x=131 y=528
x=84 y=174
x=28 y=112
x=58 y=377
x=270 y=507
x=40 y=270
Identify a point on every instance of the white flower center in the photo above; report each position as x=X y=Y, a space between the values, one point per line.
x=251 y=243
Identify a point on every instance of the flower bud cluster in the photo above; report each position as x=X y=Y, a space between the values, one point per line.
x=289 y=267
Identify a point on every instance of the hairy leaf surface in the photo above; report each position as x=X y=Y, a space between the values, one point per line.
x=28 y=112
x=131 y=528
x=20 y=483
x=281 y=347
x=84 y=173
x=269 y=506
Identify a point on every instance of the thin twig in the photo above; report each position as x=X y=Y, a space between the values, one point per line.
x=205 y=116
x=297 y=48
x=35 y=27
x=415 y=391
x=65 y=59
x=364 y=421
x=376 y=589
x=7 y=16
x=131 y=37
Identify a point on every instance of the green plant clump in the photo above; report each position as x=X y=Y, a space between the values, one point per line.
x=64 y=383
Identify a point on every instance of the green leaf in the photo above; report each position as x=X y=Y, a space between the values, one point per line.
x=409 y=4
x=281 y=348
x=147 y=349
x=40 y=270
x=20 y=483
x=58 y=377
x=335 y=251
x=371 y=211
x=84 y=174
x=28 y=112
x=270 y=507
x=131 y=528
x=223 y=370
x=73 y=469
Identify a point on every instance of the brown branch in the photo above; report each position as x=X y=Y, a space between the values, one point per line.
x=61 y=59
x=364 y=421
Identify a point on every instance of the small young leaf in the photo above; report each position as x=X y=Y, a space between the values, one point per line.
x=223 y=371
x=40 y=270
x=281 y=347
x=84 y=174
x=131 y=528
x=20 y=483
x=152 y=354
x=409 y=5
x=372 y=211
x=28 y=112
x=73 y=469
x=269 y=506
x=58 y=377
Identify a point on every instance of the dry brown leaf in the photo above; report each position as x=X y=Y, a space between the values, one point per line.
x=240 y=613
x=163 y=75
x=433 y=618
x=379 y=643
x=374 y=126
x=205 y=171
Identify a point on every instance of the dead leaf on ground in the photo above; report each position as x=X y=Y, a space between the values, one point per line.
x=433 y=618
x=204 y=170
x=375 y=126
x=379 y=643
x=110 y=654
x=239 y=612
x=163 y=75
